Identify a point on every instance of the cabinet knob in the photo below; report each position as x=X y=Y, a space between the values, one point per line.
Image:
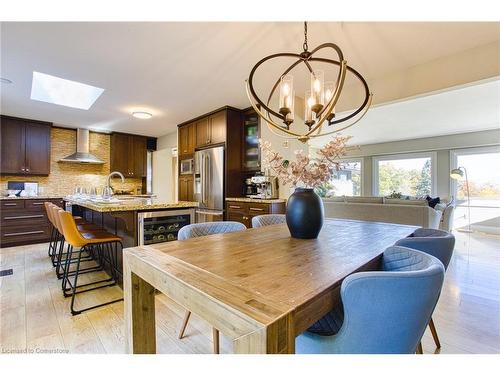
x=27 y=169
x=208 y=141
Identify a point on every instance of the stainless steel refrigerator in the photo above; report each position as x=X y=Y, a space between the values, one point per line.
x=209 y=184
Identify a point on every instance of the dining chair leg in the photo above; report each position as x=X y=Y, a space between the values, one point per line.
x=420 y=350
x=434 y=333
x=184 y=324
x=215 y=336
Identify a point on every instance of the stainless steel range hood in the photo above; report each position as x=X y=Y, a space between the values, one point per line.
x=82 y=154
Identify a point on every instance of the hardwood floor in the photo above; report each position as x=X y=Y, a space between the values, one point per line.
x=34 y=316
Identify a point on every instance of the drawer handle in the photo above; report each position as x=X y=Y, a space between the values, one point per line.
x=37 y=203
x=23 y=217
x=256 y=209
x=10 y=204
x=23 y=233
x=234 y=207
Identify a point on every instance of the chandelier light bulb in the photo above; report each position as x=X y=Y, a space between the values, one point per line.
x=329 y=90
x=308 y=113
x=317 y=84
x=286 y=96
x=286 y=89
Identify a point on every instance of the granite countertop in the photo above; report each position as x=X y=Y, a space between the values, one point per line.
x=140 y=204
x=256 y=200
x=37 y=197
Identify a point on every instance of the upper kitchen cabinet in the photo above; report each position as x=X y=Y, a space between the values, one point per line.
x=218 y=127
x=211 y=130
x=208 y=130
x=129 y=154
x=251 y=135
x=187 y=139
x=25 y=146
x=203 y=132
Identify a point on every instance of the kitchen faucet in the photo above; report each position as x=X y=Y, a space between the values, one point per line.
x=115 y=173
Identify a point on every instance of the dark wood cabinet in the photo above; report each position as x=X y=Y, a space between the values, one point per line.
x=186 y=188
x=211 y=130
x=203 y=132
x=244 y=211
x=217 y=123
x=37 y=139
x=251 y=134
x=128 y=154
x=119 y=153
x=24 y=221
x=187 y=139
x=25 y=146
x=139 y=156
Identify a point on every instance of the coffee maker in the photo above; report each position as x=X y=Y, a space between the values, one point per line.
x=250 y=188
x=266 y=187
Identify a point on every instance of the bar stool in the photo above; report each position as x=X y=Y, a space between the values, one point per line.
x=53 y=230
x=55 y=235
x=101 y=242
x=59 y=242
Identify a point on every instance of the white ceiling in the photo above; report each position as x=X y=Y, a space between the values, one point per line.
x=461 y=110
x=181 y=70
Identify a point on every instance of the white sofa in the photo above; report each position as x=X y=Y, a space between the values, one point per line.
x=400 y=211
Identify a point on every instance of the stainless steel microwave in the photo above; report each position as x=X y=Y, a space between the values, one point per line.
x=186 y=166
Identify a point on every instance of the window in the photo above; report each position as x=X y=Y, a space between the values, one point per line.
x=408 y=174
x=481 y=164
x=345 y=181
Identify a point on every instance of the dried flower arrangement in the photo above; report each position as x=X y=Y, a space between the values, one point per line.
x=305 y=171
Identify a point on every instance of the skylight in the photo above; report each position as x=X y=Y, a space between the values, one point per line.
x=55 y=90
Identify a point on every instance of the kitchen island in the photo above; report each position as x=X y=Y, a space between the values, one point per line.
x=138 y=221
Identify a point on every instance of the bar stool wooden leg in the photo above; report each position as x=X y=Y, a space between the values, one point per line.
x=434 y=333
x=184 y=324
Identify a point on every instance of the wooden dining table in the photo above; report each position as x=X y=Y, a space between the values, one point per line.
x=259 y=287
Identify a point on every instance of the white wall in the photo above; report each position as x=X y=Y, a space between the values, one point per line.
x=164 y=173
x=442 y=145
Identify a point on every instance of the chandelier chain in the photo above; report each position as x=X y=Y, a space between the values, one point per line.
x=305 y=46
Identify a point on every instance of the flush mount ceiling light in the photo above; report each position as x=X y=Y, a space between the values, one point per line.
x=319 y=101
x=142 y=115
x=5 y=80
x=55 y=90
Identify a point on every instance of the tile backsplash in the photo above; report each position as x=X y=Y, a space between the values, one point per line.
x=65 y=177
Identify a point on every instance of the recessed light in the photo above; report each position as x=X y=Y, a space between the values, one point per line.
x=55 y=90
x=5 y=80
x=142 y=115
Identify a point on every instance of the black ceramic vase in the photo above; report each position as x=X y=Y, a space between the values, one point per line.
x=304 y=214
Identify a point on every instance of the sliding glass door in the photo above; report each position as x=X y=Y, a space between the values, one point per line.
x=482 y=167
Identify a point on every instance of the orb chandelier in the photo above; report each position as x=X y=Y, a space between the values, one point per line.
x=319 y=101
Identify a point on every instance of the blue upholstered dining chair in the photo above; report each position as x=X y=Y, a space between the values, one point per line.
x=206 y=229
x=435 y=242
x=271 y=219
x=384 y=311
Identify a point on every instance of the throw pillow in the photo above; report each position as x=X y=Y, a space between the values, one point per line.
x=432 y=201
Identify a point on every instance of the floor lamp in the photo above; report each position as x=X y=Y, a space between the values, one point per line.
x=458 y=174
